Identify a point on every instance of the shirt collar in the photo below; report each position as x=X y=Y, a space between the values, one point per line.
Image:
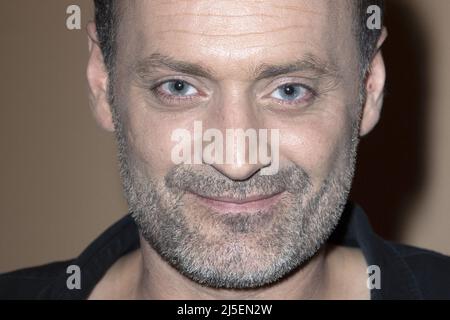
x=354 y=230
x=397 y=279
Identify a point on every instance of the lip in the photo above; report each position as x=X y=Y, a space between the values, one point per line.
x=252 y=204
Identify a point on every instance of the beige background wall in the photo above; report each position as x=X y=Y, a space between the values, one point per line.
x=59 y=186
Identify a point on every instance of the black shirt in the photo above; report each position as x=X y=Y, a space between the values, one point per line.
x=405 y=272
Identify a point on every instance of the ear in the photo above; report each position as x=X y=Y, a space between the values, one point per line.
x=97 y=77
x=374 y=90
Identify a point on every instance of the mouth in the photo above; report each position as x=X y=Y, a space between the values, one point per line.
x=251 y=204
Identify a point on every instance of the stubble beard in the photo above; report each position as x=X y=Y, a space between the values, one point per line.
x=239 y=250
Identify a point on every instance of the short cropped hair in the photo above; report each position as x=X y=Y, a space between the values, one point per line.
x=107 y=19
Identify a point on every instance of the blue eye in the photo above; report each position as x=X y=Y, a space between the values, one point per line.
x=291 y=92
x=178 y=88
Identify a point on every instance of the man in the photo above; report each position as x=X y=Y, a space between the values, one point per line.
x=163 y=73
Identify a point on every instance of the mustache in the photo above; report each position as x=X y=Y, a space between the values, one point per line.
x=209 y=182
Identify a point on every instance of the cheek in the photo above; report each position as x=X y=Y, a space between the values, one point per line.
x=145 y=148
x=149 y=140
x=317 y=144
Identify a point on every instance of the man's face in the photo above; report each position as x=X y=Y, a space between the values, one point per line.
x=199 y=217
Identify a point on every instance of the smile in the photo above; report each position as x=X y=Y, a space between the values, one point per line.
x=252 y=204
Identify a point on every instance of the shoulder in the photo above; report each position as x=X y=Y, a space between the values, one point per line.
x=29 y=283
x=430 y=269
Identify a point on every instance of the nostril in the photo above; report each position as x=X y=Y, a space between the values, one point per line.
x=238 y=173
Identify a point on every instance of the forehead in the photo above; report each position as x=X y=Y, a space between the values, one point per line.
x=225 y=35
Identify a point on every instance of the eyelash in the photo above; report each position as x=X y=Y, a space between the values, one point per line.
x=167 y=97
x=311 y=94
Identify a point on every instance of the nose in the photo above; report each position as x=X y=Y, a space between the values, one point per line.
x=240 y=125
x=240 y=161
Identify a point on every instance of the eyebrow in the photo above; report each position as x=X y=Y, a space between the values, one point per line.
x=311 y=65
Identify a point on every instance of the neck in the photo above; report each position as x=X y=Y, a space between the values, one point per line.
x=158 y=280
x=335 y=272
